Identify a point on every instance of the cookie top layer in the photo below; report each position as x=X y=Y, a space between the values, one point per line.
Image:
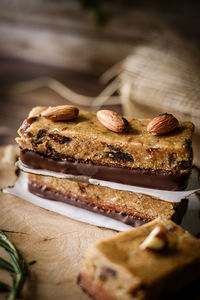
x=86 y=139
x=88 y=125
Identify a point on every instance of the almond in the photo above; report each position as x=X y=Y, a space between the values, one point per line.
x=162 y=124
x=156 y=240
x=61 y=113
x=113 y=121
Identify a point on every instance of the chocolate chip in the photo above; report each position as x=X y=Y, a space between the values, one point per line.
x=59 y=138
x=113 y=148
x=66 y=140
x=119 y=156
x=82 y=189
x=106 y=273
x=150 y=150
x=126 y=123
x=41 y=134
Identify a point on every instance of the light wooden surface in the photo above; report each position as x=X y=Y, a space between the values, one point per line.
x=54 y=241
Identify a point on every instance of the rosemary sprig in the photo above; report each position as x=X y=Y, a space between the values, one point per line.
x=16 y=266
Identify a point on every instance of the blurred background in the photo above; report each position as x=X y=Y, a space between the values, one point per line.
x=148 y=49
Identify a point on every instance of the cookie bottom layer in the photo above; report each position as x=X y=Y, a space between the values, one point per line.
x=158 y=179
x=43 y=192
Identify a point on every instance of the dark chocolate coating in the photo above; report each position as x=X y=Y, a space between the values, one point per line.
x=157 y=179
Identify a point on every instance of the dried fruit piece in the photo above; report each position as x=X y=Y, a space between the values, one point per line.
x=113 y=121
x=156 y=240
x=61 y=113
x=162 y=124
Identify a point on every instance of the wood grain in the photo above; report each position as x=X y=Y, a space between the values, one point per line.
x=57 y=243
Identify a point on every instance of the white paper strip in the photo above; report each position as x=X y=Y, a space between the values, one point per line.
x=20 y=165
x=191 y=220
x=79 y=214
x=170 y=196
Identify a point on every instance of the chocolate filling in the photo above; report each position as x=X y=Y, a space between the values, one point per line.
x=43 y=192
x=158 y=179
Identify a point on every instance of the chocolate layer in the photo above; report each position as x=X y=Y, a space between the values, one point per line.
x=158 y=179
x=43 y=192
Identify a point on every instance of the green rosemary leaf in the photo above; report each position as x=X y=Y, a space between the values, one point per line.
x=14 y=263
x=6 y=265
x=4 y=287
x=22 y=276
x=10 y=246
x=17 y=266
x=5 y=246
x=13 y=291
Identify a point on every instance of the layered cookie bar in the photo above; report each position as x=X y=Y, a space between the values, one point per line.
x=128 y=207
x=158 y=260
x=83 y=146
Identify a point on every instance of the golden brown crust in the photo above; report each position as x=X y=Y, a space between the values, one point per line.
x=119 y=266
x=95 y=291
x=87 y=139
x=129 y=203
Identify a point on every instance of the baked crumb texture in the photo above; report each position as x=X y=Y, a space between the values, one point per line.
x=87 y=140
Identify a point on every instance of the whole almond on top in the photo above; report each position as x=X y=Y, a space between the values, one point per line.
x=162 y=124
x=113 y=121
x=156 y=240
x=61 y=113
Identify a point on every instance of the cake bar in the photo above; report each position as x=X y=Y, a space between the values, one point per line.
x=128 y=207
x=158 y=260
x=84 y=146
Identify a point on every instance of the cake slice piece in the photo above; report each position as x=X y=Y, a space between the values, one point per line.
x=128 y=207
x=158 y=260
x=83 y=146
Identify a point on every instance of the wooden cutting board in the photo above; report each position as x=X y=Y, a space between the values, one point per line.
x=57 y=243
